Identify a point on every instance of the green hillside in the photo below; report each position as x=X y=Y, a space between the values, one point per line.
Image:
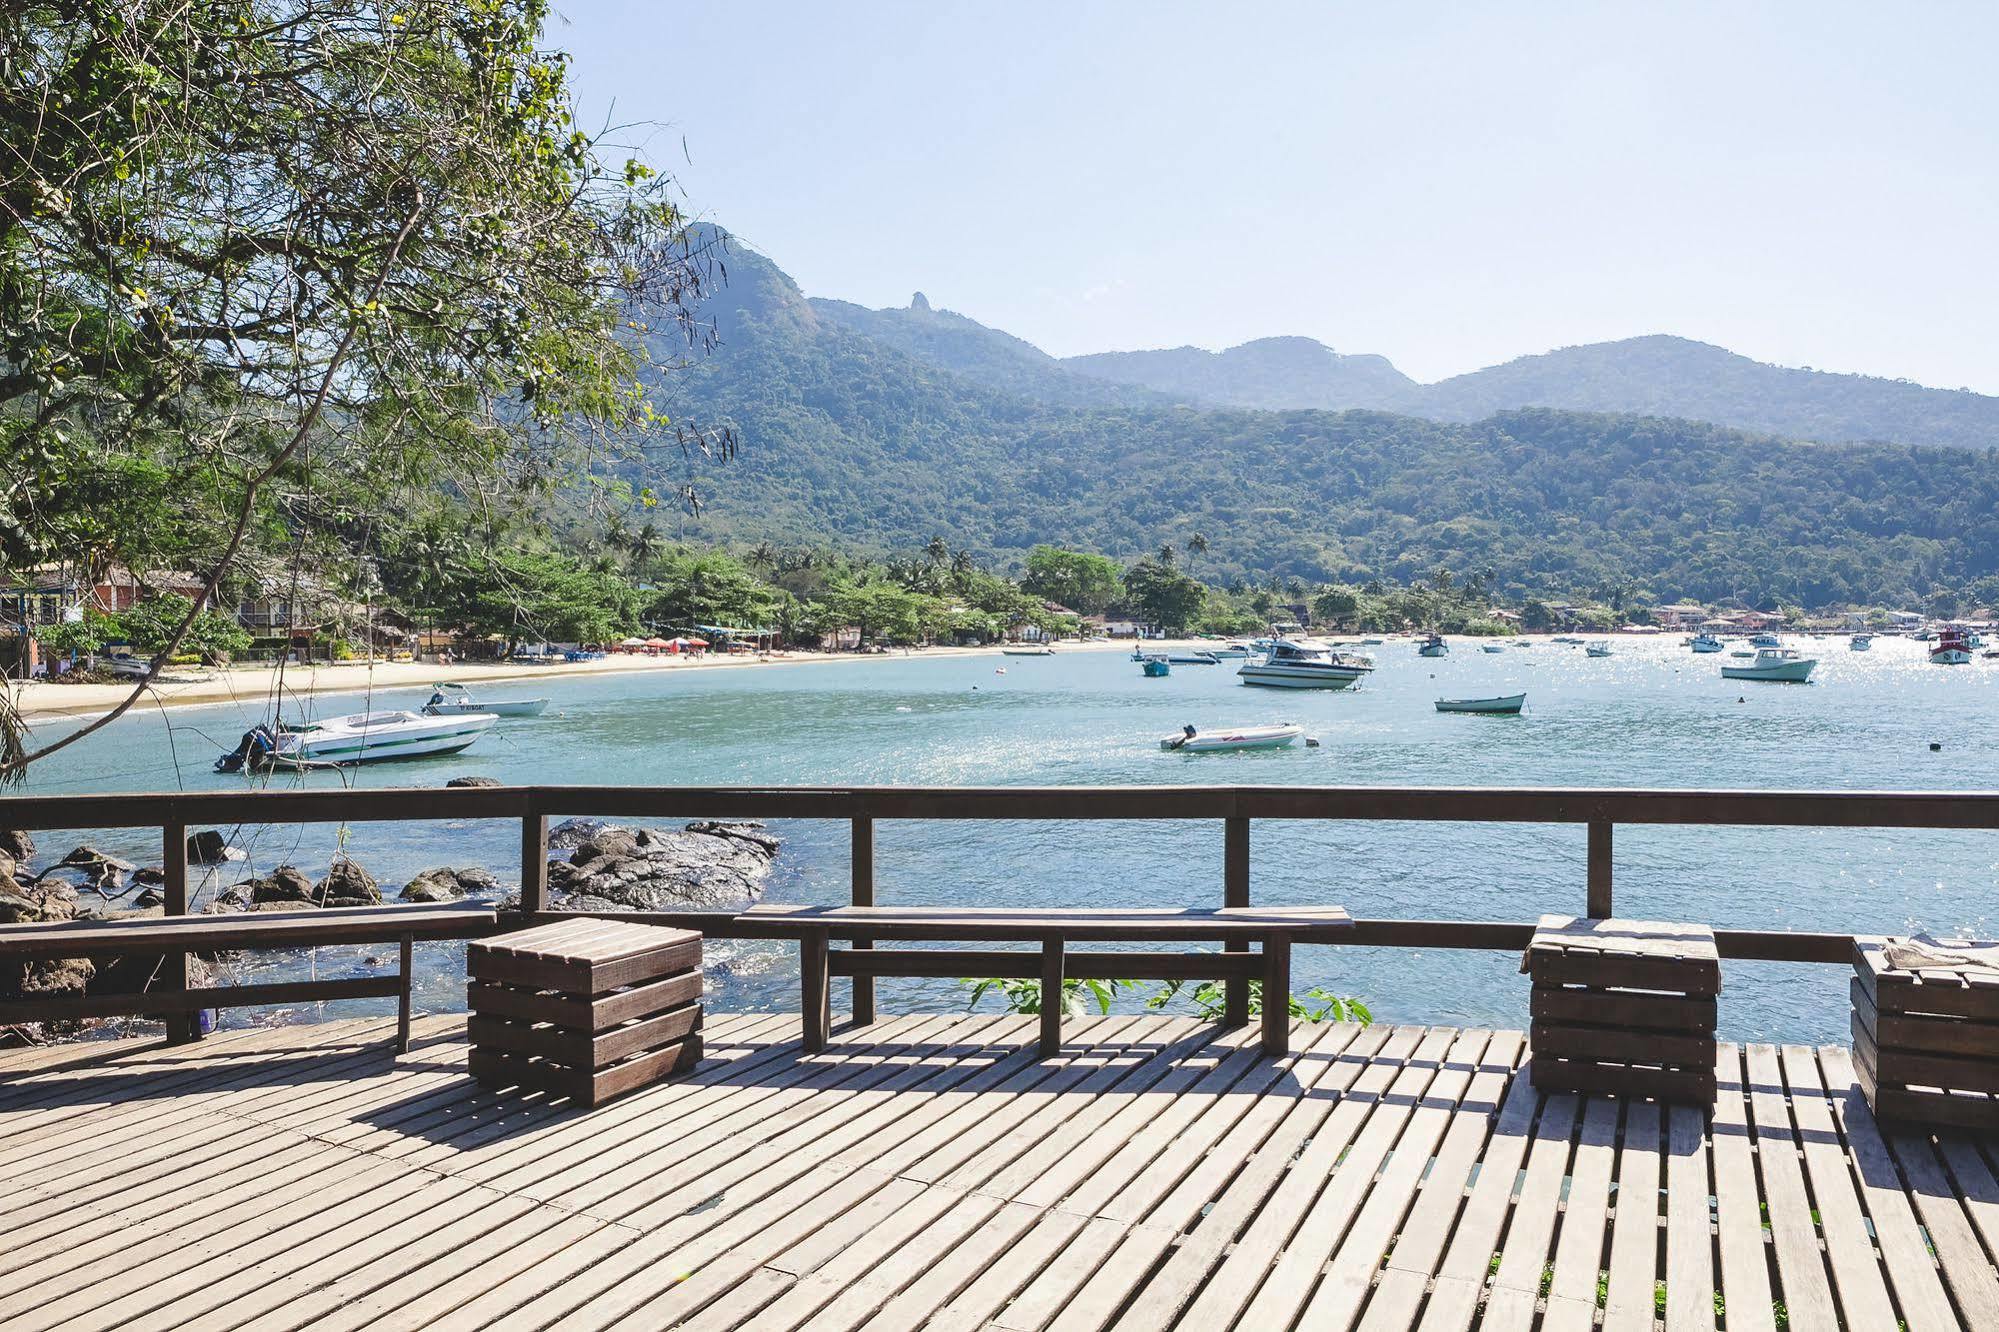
x=848 y=439
x=1275 y=373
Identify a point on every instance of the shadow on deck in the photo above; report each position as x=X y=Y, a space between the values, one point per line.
x=931 y=1172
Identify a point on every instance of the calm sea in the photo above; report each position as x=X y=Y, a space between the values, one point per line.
x=1652 y=715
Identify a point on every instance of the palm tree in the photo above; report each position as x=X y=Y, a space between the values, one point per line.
x=1167 y=554
x=1197 y=546
x=937 y=551
x=643 y=545
x=762 y=556
x=962 y=563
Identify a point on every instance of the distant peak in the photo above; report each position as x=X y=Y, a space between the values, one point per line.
x=919 y=302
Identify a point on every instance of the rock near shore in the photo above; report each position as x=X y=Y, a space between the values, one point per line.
x=445 y=884
x=705 y=864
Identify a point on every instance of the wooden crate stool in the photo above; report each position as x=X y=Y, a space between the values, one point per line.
x=586 y=1008
x=1926 y=1037
x=1625 y=1007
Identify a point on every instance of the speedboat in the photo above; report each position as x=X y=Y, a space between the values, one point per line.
x=1704 y=642
x=1197 y=659
x=1290 y=665
x=1233 y=650
x=452 y=700
x=1504 y=705
x=1192 y=741
x=1783 y=665
x=1766 y=640
x=363 y=737
x=1860 y=643
x=1433 y=646
x=1597 y=649
x=1027 y=650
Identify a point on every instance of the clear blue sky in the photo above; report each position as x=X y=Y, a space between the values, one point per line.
x=1448 y=185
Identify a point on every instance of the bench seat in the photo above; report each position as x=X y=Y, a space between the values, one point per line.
x=1274 y=928
x=232 y=931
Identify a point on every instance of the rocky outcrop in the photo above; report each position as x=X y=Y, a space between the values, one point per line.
x=16 y=844
x=347 y=884
x=90 y=866
x=450 y=885
x=572 y=833
x=475 y=781
x=207 y=847
x=704 y=865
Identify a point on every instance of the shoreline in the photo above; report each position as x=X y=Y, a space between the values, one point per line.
x=40 y=702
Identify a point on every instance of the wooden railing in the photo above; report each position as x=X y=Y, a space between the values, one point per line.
x=1234 y=807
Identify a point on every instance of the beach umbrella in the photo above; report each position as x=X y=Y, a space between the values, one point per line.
x=695 y=642
x=632 y=642
x=657 y=643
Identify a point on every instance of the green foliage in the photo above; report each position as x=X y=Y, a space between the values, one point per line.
x=1081 y=581
x=547 y=597
x=1163 y=595
x=1023 y=996
x=1207 y=998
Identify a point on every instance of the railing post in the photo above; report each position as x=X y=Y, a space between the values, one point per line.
x=863 y=865
x=1600 y=906
x=1235 y=893
x=534 y=862
x=182 y=1027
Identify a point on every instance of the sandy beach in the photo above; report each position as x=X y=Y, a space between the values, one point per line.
x=40 y=701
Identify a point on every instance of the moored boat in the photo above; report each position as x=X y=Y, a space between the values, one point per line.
x=1597 y=649
x=362 y=737
x=1274 y=736
x=1952 y=648
x=1492 y=647
x=1860 y=643
x=1504 y=705
x=1433 y=646
x=1765 y=640
x=1780 y=665
x=1290 y=665
x=1027 y=650
x=1154 y=668
x=1704 y=642
x=1197 y=659
x=454 y=700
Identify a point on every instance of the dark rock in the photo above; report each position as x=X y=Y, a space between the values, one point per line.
x=347 y=884
x=450 y=885
x=8 y=870
x=607 y=843
x=29 y=906
x=750 y=831
x=572 y=833
x=285 y=884
x=93 y=867
x=206 y=847
x=149 y=876
x=16 y=843
x=475 y=781
x=149 y=897
x=650 y=870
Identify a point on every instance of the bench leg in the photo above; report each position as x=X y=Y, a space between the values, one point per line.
x=815 y=998
x=403 y=1000
x=1277 y=994
x=1051 y=997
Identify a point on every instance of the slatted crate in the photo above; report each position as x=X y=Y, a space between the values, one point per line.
x=584 y=1008
x=1926 y=1042
x=1624 y=1007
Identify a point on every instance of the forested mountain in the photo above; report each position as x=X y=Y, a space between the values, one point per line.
x=847 y=438
x=1275 y=373
x=1668 y=376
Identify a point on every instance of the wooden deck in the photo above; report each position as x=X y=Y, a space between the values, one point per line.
x=930 y=1172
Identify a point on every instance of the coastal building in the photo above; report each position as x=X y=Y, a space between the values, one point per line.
x=1679 y=615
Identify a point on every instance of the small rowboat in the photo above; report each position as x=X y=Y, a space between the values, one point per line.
x=1027 y=650
x=1498 y=707
x=1155 y=667
x=1241 y=737
x=452 y=700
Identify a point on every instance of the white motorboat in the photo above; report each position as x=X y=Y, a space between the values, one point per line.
x=1781 y=665
x=1704 y=642
x=1503 y=706
x=1233 y=650
x=1433 y=646
x=1597 y=649
x=1766 y=640
x=1860 y=642
x=1192 y=741
x=363 y=737
x=1492 y=647
x=453 y=700
x=1291 y=665
x=1027 y=650
x=1196 y=659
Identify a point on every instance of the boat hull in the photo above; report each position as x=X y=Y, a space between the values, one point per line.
x=1507 y=706
x=344 y=747
x=1222 y=742
x=1300 y=677
x=1950 y=657
x=1790 y=672
x=529 y=707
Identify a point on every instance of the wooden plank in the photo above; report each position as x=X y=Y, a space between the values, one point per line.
x=1647 y=1012
x=1960 y=1257
x=1912 y=1068
x=579 y=1013
x=1622 y=972
x=1305 y=924
x=1977 y=1190
x=954 y=962
x=1578 y=1258
x=1052 y=998
x=1690 y=1086
x=1745 y=1265
x=1806 y=1293
x=635 y=964
x=1939 y=992
x=579 y=1049
x=500 y=1068
x=1626 y=1047
x=1630 y=1287
x=1690 y=1284
x=264 y=929
x=1937 y=1035
x=1862 y=1290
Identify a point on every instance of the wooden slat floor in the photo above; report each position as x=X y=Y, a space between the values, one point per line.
x=930 y=1172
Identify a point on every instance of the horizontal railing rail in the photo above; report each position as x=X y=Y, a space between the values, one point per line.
x=1599 y=810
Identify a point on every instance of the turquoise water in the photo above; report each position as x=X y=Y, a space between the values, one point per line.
x=1652 y=715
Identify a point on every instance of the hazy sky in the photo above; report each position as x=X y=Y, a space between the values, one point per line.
x=1448 y=185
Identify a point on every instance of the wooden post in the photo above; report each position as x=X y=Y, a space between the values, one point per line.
x=403 y=999
x=182 y=1027
x=863 y=865
x=534 y=863
x=1600 y=905
x=814 y=998
x=1235 y=893
x=1277 y=994
x=1051 y=996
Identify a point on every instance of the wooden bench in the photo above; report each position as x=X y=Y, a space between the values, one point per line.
x=1275 y=929
x=1926 y=1039
x=175 y=936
